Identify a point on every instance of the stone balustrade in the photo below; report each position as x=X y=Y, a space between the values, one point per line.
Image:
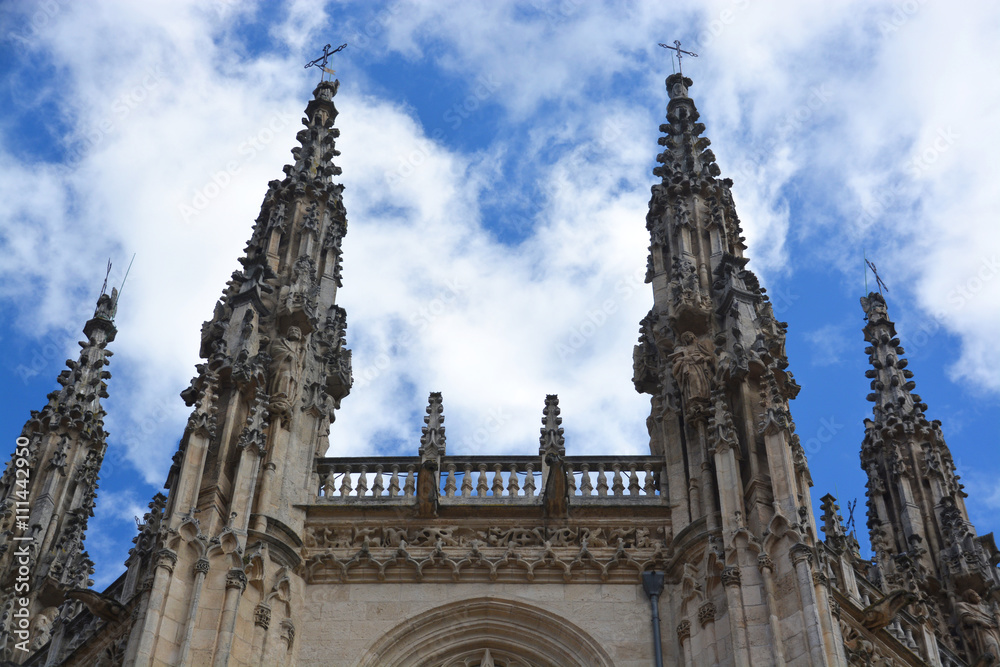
x=490 y=479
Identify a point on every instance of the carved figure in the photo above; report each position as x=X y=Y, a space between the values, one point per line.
x=285 y=356
x=692 y=366
x=107 y=304
x=974 y=615
x=880 y=613
x=40 y=629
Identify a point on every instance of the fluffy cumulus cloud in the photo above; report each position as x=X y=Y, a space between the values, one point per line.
x=843 y=124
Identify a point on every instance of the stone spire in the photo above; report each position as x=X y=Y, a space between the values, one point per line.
x=277 y=335
x=432 y=438
x=551 y=441
x=711 y=328
x=276 y=368
x=711 y=354
x=919 y=527
x=45 y=504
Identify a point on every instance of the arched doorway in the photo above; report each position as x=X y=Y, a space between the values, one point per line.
x=480 y=631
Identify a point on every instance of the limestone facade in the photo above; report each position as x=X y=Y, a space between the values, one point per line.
x=264 y=552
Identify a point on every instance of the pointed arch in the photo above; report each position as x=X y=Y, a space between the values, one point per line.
x=518 y=631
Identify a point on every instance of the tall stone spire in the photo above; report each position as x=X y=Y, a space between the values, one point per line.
x=48 y=491
x=276 y=368
x=919 y=527
x=712 y=356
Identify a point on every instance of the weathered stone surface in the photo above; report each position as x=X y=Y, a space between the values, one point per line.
x=265 y=553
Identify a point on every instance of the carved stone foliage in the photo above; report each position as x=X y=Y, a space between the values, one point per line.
x=254 y=434
x=646 y=358
x=262 y=616
x=298 y=301
x=477 y=560
x=147 y=540
x=721 y=426
x=706 y=613
x=328 y=376
x=345 y=537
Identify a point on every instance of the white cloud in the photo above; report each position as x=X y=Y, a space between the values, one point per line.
x=830 y=344
x=802 y=100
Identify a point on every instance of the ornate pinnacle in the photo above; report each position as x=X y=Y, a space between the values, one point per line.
x=314 y=159
x=686 y=160
x=432 y=440
x=833 y=526
x=890 y=380
x=552 y=440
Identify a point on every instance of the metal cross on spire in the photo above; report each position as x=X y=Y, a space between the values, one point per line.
x=321 y=61
x=878 y=279
x=677 y=47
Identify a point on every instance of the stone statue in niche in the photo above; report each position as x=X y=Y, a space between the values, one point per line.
x=976 y=617
x=692 y=366
x=286 y=354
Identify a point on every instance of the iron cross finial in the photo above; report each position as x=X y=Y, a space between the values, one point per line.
x=677 y=47
x=321 y=61
x=878 y=279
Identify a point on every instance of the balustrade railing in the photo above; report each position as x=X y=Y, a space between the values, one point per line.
x=469 y=479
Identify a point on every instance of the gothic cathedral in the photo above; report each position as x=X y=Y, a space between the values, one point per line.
x=706 y=551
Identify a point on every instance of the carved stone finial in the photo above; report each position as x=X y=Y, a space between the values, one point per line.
x=833 y=526
x=432 y=439
x=552 y=440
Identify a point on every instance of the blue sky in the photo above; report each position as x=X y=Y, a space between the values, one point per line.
x=497 y=159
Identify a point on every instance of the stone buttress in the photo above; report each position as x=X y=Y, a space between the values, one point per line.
x=45 y=506
x=921 y=535
x=216 y=569
x=741 y=586
x=266 y=552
